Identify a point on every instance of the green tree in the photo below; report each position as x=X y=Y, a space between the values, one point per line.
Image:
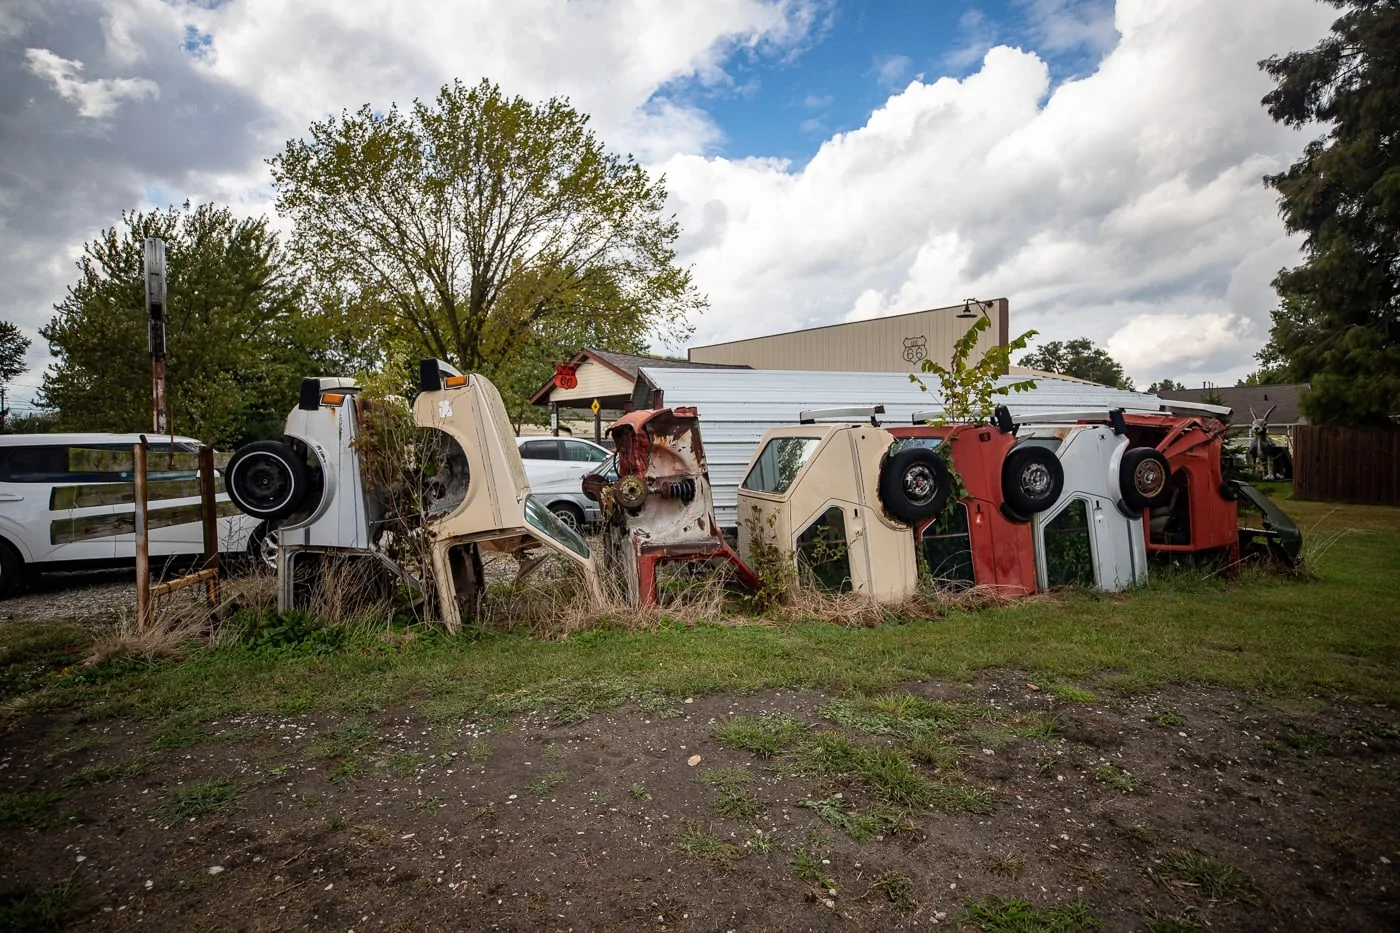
x=490 y=229
x=1337 y=326
x=1166 y=385
x=13 y=346
x=967 y=391
x=1080 y=359
x=238 y=341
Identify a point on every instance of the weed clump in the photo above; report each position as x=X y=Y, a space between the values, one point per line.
x=1013 y=915
x=764 y=736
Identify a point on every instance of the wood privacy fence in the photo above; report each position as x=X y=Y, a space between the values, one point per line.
x=1346 y=464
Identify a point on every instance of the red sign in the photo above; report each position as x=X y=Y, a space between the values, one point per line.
x=565 y=377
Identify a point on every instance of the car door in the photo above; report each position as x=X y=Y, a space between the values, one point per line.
x=1065 y=548
x=172 y=503
x=67 y=500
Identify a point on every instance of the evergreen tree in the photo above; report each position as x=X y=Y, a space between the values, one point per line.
x=1338 y=323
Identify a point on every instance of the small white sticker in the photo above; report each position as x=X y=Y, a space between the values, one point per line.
x=444 y=409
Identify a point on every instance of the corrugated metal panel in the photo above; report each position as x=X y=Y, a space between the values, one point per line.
x=737 y=407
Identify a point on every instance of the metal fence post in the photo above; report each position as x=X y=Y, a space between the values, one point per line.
x=209 y=507
x=145 y=616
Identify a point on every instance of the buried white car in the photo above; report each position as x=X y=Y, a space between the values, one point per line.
x=310 y=486
x=1092 y=535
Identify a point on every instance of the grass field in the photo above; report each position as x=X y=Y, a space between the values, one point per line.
x=1334 y=631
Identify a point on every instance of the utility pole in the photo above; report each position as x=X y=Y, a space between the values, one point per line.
x=155 y=308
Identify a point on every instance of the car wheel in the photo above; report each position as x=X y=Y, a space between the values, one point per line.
x=914 y=485
x=1144 y=479
x=262 y=547
x=267 y=480
x=570 y=515
x=1031 y=479
x=11 y=570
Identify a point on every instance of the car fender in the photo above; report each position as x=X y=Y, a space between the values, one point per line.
x=13 y=535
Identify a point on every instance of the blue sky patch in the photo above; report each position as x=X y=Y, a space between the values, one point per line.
x=785 y=106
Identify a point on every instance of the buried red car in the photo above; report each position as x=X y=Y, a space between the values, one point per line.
x=983 y=537
x=1198 y=517
x=659 y=508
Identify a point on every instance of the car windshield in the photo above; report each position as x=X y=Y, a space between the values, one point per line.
x=1049 y=442
x=905 y=443
x=782 y=459
x=544 y=521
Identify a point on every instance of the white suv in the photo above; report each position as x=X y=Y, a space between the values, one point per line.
x=556 y=467
x=60 y=510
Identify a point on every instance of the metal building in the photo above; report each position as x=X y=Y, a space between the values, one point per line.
x=896 y=344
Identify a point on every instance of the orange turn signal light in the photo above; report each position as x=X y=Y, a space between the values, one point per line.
x=453 y=382
x=332 y=399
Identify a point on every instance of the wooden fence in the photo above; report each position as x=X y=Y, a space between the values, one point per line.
x=1346 y=464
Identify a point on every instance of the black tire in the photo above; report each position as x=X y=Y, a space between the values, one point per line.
x=569 y=514
x=1144 y=479
x=12 y=573
x=914 y=485
x=267 y=479
x=1031 y=479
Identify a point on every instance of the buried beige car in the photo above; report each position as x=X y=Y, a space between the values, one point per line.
x=812 y=490
x=480 y=498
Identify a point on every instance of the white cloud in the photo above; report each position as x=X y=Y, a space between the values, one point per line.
x=891 y=70
x=1067 y=25
x=97 y=98
x=1126 y=205
x=82 y=135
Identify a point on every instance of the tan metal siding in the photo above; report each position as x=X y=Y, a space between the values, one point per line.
x=879 y=345
x=594 y=381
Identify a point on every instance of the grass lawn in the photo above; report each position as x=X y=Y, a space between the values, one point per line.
x=1334 y=633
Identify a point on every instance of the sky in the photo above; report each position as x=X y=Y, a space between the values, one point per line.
x=1097 y=163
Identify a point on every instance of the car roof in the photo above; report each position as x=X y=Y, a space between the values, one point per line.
x=550 y=437
x=78 y=440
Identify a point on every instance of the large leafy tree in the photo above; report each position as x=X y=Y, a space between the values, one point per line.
x=489 y=229
x=1338 y=324
x=238 y=339
x=1078 y=358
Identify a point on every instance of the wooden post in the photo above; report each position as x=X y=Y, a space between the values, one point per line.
x=145 y=616
x=209 y=511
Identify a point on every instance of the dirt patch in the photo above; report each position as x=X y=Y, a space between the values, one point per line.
x=1201 y=806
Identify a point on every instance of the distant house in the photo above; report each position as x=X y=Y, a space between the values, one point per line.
x=609 y=378
x=1283 y=399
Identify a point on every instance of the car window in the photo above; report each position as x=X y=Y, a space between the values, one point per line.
x=1051 y=443
x=540 y=450
x=823 y=555
x=1069 y=556
x=548 y=525
x=904 y=443
x=608 y=470
x=782 y=459
x=61 y=463
x=947 y=550
x=587 y=453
